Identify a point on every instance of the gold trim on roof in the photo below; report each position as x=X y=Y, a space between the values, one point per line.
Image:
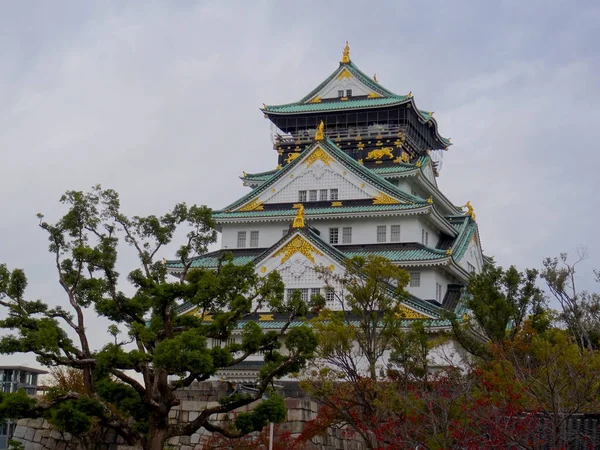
x=344 y=75
x=265 y=317
x=317 y=99
x=373 y=95
x=299 y=219
x=384 y=199
x=318 y=154
x=320 y=134
x=408 y=313
x=297 y=245
x=346 y=54
x=254 y=205
x=291 y=157
x=380 y=153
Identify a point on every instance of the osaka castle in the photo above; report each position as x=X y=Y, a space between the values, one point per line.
x=357 y=169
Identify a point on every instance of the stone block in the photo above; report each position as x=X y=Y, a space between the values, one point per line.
x=292 y=403
x=19 y=431
x=193 y=415
x=61 y=445
x=187 y=447
x=185 y=440
x=193 y=405
x=29 y=434
x=194 y=438
x=37 y=437
x=56 y=435
x=46 y=425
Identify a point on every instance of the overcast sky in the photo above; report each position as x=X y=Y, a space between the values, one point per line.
x=159 y=100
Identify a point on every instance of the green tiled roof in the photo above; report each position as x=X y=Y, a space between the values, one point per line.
x=343 y=158
x=277 y=325
x=462 y=241
x=421 y=254
x=401 y=167
x=261 y=176
x=308 y=211
x=292 y=108
x=210 y=261
x=387 y=98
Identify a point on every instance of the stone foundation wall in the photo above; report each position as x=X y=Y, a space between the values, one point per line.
x=37 y=434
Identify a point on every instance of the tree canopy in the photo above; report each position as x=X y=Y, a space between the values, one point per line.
x=147 y=336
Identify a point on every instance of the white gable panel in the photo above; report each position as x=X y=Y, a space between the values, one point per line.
x=473 y=255
x=428 y=172
x=342 y=82
x=317 y=176
x=319 y=173
x=331 y=90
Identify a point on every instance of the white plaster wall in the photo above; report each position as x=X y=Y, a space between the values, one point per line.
x=364 y=230
x=473 y=255
x=269 y=233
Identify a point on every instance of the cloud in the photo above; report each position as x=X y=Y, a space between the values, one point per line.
x=160 y=101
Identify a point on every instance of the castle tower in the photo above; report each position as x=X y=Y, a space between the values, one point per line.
x=356 y=175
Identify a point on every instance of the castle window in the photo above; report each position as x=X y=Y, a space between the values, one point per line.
x=329 y=296
x=304 y=292
x=381 y=233
x=395 y=233
x=347 y=235
x=301 y=196
x=254 y=239
x=323 y=195
x=241 y=239
x=438 y=292
x=312 y=195
x=333 y=194
x=348 y=92
x=340 y=93
x=334 y=235
x=315 y=291
x=424 y=237
x=415 y=279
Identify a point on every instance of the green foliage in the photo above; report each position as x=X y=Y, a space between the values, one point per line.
x=372 y=290
x=499 y=301
x=15 y=405
x=269 y=410
x=168 y=351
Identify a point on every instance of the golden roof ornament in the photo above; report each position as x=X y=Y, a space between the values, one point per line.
x=346 y=54
x=320 y=134
x=299 y=219
x=410 y=94
x=470 y=210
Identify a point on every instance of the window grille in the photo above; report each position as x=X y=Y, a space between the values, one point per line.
x=312 y=195
x=241 y=239
x=254 y=239
x=301 y=196
x=381 y=233
x=395 y=233
x=333 y=194
x=415 y=279
x=323 y=195
x=333 y=235
x=347 y=235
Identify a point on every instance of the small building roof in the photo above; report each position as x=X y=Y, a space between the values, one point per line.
x=24 y=369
